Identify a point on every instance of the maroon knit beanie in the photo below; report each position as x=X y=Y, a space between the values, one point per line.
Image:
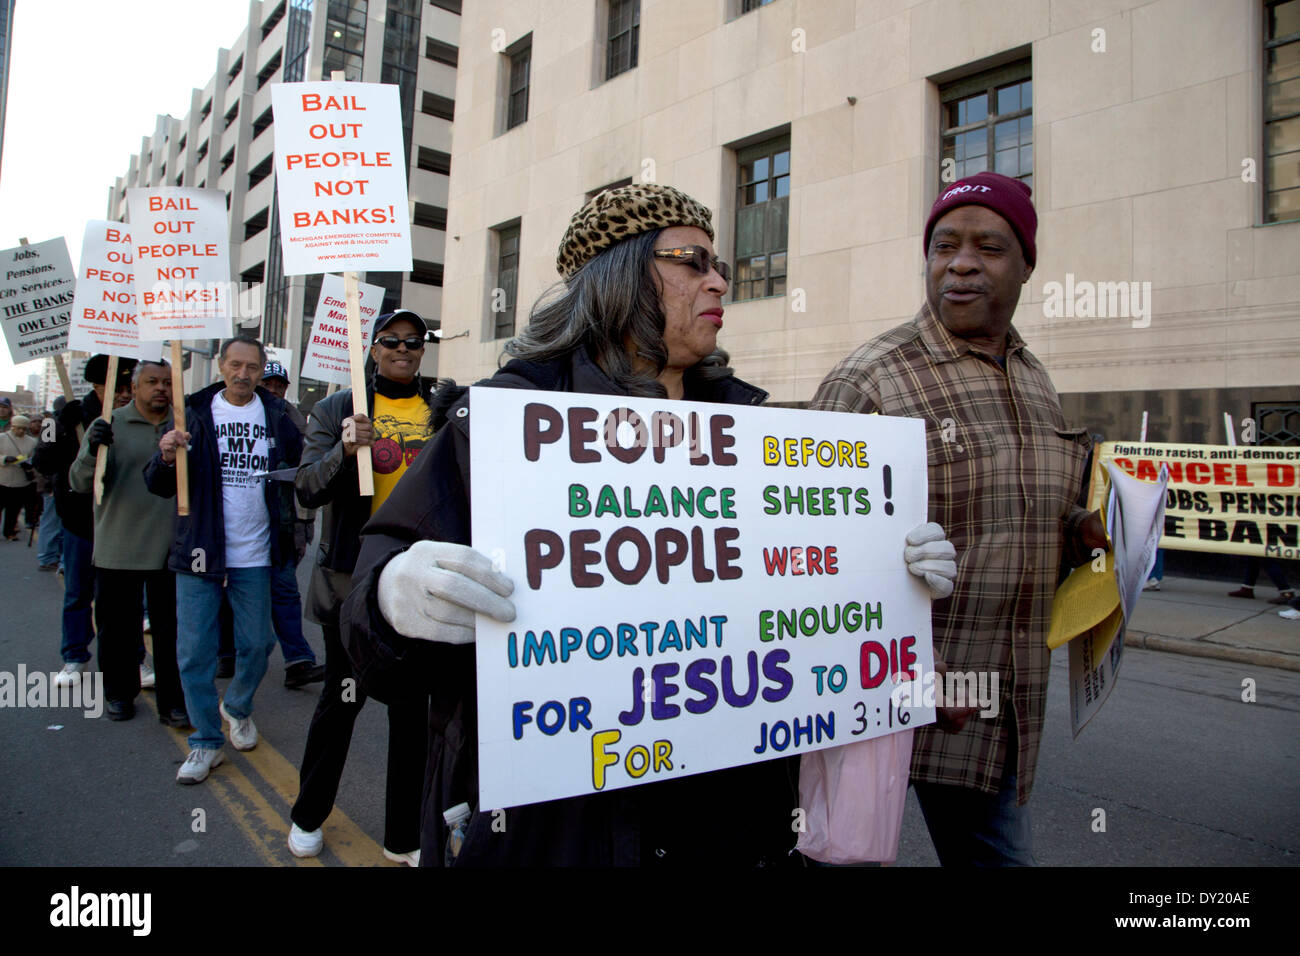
x=1007 y=197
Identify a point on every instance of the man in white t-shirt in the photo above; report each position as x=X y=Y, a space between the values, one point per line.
x=240 y=524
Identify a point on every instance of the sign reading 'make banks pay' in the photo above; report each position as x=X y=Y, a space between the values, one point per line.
x=697 y=586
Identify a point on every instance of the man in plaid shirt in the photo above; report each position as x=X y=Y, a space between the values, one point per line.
x=1005 y=471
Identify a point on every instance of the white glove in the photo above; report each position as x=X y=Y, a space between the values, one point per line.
x=930 y=555
x=432 y=590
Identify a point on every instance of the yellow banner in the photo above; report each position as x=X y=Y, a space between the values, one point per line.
x=1231 y=500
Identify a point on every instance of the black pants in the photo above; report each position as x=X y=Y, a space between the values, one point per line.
x=14 y=500
x=329 y=737
x=119 y=618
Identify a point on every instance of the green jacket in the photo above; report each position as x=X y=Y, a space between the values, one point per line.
x=132 y=526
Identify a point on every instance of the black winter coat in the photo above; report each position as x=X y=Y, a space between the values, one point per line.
x=205 y=526
x=736 y=817
x=53 y=459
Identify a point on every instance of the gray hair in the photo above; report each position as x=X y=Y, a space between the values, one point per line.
x=612 y=307
x=139 y=367
x=242 y=340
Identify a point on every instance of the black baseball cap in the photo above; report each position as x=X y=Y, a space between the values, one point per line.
x=388 y=318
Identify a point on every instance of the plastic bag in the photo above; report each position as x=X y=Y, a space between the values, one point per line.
x=853 y=797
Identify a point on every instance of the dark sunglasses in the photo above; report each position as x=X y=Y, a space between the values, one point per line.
x=413 y=343
x=698 y=258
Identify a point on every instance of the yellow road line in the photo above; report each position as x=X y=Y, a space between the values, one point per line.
x=269 y=830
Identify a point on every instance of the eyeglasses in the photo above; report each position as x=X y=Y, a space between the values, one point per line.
x=698 y=258
x=413 y=343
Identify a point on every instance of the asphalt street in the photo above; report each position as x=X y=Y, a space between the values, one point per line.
x=1186 y=772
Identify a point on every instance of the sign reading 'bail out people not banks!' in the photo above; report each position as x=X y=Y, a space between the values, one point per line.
x=325 y=356
x=697 y=587
x=104 y=313
x=341 y=171
x=182 y=262
x=36 y=287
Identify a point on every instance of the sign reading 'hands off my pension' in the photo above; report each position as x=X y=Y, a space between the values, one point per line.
x=697 y=586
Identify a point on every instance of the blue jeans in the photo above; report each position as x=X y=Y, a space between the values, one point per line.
x=49 y=540
x=198 y=601
x=971 y=828
x=286 y=614
x=78 y=593
x=1158 y=570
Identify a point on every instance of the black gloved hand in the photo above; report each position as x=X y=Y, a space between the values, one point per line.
x=10 y=459
x=100 y=433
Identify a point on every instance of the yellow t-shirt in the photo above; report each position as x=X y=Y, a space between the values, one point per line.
x=401 y=429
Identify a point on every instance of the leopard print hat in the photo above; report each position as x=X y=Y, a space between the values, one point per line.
x=618 y=214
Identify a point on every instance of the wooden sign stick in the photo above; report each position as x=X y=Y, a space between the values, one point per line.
x=106 y=413
x=178 y=419
x=356 y=362
x=356 y=359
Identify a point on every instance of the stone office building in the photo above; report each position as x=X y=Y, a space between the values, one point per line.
x=1161 y=139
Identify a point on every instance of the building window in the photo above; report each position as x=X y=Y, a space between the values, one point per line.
x=180 y=145
x=207 y=108
x=262 y=123
x=434 y=160
x=234 y=70
x=261 y=171
x=231 y=115
x=762 y=219
x=747 y=5
x=431 y=217
x=621 y=39
x=1282 y=111
x=402 y=62
x=441 y=106
x=345 y=38
x=201 y=152
x=268 y=71
x=255 y=225
x=441 y=52
x=502 y=300
x=427 y=273
x=517 y=93
x=227 y=161
x=988 y=124
x=451 y=6
x=276 y=16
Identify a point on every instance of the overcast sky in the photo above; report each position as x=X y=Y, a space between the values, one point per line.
x=87 y=80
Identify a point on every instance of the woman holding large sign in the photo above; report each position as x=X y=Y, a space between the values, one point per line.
x=638 y=315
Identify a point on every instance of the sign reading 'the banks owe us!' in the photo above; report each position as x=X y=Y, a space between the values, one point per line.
x=697 y=586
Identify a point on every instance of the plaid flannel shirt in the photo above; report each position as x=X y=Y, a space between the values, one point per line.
x=1004 y=474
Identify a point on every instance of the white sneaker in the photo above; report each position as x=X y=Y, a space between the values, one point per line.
x=71 y=674
x=1153 y=584
x=243 y=733
x=410 y=859
x=1290 y=613
x=147 y=677
x=147 y=628
x=197 y=765
x=303 y=842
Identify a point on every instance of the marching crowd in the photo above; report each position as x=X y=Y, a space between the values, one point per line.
x=395 y=584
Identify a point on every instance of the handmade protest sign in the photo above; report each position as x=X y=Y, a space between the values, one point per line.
x=104 y=316
x=341 y=173
x=325 y=356
x=340 y=163
x=1221 y=498
x=182 y=262
x=104 y=310
x=697 y=587
x=36 y=299
x=182 y=280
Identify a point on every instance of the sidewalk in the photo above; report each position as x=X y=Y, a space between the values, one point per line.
x=1194 y=616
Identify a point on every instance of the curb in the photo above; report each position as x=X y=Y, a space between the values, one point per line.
x=1222 y=652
